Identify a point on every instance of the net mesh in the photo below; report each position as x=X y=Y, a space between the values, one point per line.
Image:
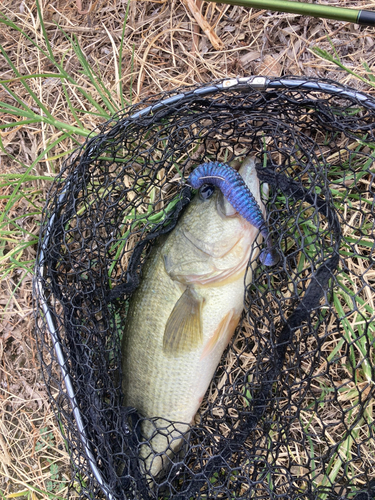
x=289 y=413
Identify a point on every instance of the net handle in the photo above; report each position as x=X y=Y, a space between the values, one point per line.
x=362 y=17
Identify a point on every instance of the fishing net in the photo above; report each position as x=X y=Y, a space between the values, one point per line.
x=290 y=410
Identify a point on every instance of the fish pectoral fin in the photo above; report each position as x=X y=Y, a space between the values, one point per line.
x=183 y=331
x=223 y=332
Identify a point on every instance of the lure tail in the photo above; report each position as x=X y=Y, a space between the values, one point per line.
x=269 y=256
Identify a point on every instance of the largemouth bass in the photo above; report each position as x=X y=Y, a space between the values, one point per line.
x=183 y=315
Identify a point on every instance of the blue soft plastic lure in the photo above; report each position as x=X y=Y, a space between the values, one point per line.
x=233 y=187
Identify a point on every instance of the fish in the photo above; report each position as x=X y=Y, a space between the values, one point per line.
x=183 y=315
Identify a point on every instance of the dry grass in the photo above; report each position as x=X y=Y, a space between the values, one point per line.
x=164 y=48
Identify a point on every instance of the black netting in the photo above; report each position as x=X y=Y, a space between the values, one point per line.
x=289 y=413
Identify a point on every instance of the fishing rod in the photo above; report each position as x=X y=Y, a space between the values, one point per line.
x=363 y=17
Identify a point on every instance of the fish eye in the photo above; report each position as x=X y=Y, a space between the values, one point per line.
x=206 y=191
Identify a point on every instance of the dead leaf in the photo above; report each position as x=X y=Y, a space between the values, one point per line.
x=269 y=67
x=204 y=25
x=249 y=56
x=4 y=455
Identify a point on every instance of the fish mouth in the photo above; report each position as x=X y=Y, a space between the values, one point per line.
x=215 y=250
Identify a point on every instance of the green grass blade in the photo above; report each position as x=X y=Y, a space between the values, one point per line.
x=12 y=110
x=61 y=71
x=17 y=124
x=71 y=107
x=68 y=78
x=91 y=75
x=132 y=75
x=35 y=118
x=329 y=57
x=23 y=81
x=370 y=74
x=8 y=22
x=28 y=77
x=44 y=31
x=28 y=178
x=26 y=108
x=120 y=56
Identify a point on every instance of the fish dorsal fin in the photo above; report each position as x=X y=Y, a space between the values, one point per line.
x=183 y=331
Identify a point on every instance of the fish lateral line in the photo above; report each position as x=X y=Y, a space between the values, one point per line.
x=238 y=194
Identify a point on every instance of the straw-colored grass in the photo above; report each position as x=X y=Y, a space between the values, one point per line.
x=58 y=81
